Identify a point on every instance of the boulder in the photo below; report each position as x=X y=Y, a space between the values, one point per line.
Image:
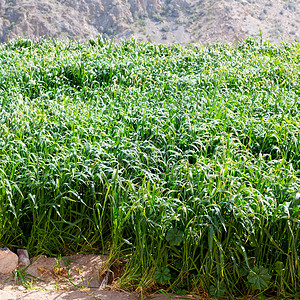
x=8 y=261
x=23 y=258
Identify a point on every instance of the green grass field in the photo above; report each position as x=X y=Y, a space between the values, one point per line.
x=184 y=161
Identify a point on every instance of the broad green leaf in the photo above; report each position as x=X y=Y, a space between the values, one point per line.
x=174 y=237
x=218 y=289
x=259 y=278
x=162 y=275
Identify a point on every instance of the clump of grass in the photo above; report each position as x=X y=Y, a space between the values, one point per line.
x=186 y=161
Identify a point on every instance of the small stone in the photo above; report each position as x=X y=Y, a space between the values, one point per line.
x=23 y=258
x=8 y=261
x=108 y=279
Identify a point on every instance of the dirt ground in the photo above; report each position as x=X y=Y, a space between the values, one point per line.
x=69 y=278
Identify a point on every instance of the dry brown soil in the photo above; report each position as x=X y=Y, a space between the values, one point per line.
x=50 y=281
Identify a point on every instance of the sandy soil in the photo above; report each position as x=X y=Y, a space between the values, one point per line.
x=69 y=278
x=64 y=295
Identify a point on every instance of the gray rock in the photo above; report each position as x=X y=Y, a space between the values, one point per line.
x=8 y=261
x=23 y=258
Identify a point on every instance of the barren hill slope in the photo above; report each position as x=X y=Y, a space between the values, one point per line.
x=166 y=21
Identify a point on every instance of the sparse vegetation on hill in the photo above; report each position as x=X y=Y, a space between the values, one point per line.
x=162 y=21
x=183 y=161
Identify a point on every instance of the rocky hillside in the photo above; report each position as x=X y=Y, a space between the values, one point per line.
x=165 y=21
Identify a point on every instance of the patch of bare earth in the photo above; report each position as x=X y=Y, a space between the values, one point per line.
x=71 y=277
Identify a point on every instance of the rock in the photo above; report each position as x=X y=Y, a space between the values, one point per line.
x=23 y=258
x=108 y=279
x=8 y=261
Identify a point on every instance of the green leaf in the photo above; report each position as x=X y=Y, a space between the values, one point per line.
x=243 y=270
x=180 y=292
x=218 y=289
x=259 y=278
x=174 y=237
x=279 y=267
x=162 y=275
